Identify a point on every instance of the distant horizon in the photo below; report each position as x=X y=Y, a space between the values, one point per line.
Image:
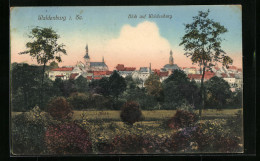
x=122 y=38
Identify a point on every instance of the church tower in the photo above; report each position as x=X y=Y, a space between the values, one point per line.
x=171 y=58
x=87 y=59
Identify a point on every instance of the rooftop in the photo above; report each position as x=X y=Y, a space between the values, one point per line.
x=63 y=69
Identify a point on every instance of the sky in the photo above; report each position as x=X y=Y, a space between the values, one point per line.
x=112 y=34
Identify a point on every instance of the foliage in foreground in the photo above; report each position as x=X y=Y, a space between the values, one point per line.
x=67 y=138
x=28 y=132
x=101 y=137
x=182 y=119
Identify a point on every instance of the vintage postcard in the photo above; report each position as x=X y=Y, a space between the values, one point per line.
x=126 y=80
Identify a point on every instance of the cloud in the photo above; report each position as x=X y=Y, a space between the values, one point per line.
x=138 y=46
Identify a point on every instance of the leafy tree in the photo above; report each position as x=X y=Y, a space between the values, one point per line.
x=202 y=43
x=178 y=90
x=81 y=84
x=44 y=48
x=58 y=87
x=237 y=98
x=141 y=97
x=154 y=87
x=130 y=83
x=178 y=76
x=25 y=83
x=218 y=90
x=194 y=96
x=24 y=86
x=53 y=65
x=68 y=87
x=117 y=84
x=100 y=86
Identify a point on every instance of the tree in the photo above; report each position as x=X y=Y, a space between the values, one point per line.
x=53 y=65
x=179 y=90
x=178 y=76
x=202 y=43
x=154 y=87
x=130 y=83
x=81 y=84
x=237 y=98
x=44 y=48
x=68 y=87
x=219 y=91
x=100 y=86
x=117 y=84
x=140 y=96
x=24 y=86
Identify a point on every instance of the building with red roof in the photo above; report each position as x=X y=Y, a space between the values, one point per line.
x=63 y=69
x=162 y=74
x=74 y=76
x=197 y=77
x=124 y=71
x=63 y=73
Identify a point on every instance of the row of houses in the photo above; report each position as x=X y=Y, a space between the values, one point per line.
x=98 y=70
x=232 y=75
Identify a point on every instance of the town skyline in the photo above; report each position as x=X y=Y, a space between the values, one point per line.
x=134 y=42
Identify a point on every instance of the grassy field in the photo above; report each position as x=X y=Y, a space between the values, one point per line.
x=149 y=115
x=152 y=115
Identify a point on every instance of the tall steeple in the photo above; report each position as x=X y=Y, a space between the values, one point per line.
x=86 y=55
x=87 y=59
x=150 y=69
x=103 y=59
x=171 y=58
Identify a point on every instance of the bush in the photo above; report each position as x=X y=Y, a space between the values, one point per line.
x=67 y=138
x=141 y=144
x=182 y=119
x=97 y=101
x=131 y=113
x=59 y=108
x=27 y=133
x=78 y=101
x=183 y=140
x=210 y=136
x=213 y=136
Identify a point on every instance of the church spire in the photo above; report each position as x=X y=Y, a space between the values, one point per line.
x=103 y=59
x=171 y=58
x=86 y=55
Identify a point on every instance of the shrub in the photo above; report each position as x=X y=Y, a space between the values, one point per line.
x=28 y=132
x=131 y=113
x=97 y=101
x=186 y=107
x=184 y=139
x=78 y=101
x=59 y=108
x=67 y=138
x=141 y=144
x=182 y=119
x=128 y=143
x=213 y=136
